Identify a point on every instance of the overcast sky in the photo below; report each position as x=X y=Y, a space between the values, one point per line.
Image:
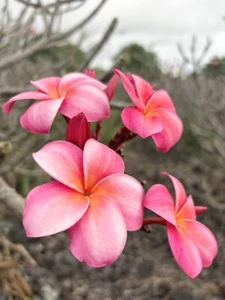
x=157 y=25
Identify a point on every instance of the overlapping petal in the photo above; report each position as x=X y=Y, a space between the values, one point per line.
x=138 y=123
x=128 y=193
x=78 y=78
x=130 y=90
x=179 y=192
x=48 y=85
x=88 y=99
x=187 y=210
x=160 y=100
x=143 y=88
x=103 y=163
x=99 y=237
x=64 y=162
x=204 y=239
x=172 y=130
x=39 y=117
x=51 y=208
x=185 y=250
x=7 y=107
x=159 y=200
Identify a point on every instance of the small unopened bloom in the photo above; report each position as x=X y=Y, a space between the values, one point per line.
x=78 y=130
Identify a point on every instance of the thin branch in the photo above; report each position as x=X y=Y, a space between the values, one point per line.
x=38 y=4
x=45 y=42
x=17 y=57
x=72 y=30
x=10 y=198
x=102 y=42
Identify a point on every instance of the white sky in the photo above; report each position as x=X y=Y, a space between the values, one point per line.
x=157 y=25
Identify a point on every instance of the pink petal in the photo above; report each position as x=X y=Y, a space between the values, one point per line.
x=143 y=88
x=179 y=191
x=99 y=237
x=39 y=117
x=136 y=122
x=130 y=90
x=64 y=162
x=88 y=99
x=172 y=130
x=187 y=211
x=205 y=240
x=159 y=200
x=7 y=107
x=70 y=79
x=99 y=162
x=48 y=85
x=185 y=250
x=78 y=130
x=90 y=72
x=111 y=86
x=76 y=79
x=160 y=101
x=200 y=209
x=128 y=193
x=52 y=207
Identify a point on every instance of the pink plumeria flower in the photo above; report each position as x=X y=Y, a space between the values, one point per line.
x=153 y=115
x=111 y=86
x=192 y=243
x=91 y=197
x=69 y=95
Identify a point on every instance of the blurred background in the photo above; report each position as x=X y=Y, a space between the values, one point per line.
x=177 y=46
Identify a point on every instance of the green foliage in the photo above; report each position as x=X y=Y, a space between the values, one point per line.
x=139 y=61
x=69 y=55
x=216 y=67
x=110 y=126
x=188 y=141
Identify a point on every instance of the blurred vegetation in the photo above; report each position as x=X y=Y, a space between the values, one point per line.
x=215 y=67
x=138 y=60
x=68 y=55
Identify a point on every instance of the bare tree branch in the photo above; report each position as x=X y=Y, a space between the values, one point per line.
x=79 y=26
x=102 y=42
x=45 y=41
x=10 y=198
x=38 y=4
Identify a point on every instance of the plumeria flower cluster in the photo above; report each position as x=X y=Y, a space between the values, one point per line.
x=90 y=196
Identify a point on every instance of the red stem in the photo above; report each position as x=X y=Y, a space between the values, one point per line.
x=154 y=220
x=97 y=130
x=161 y=221
x=123 y=135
